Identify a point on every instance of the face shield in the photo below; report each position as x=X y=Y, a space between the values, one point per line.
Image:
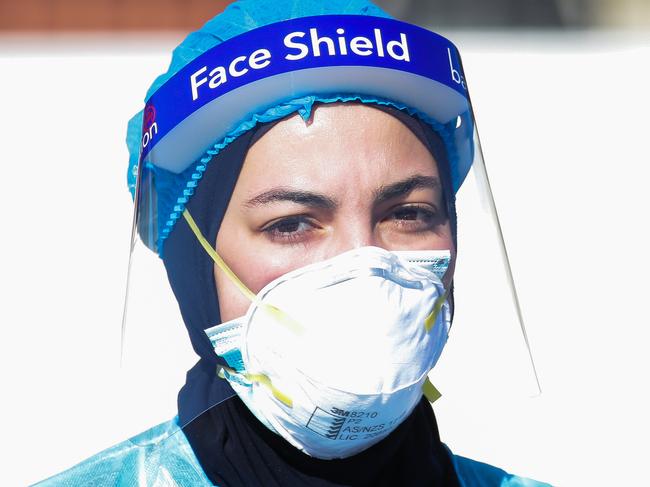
x=265 y=75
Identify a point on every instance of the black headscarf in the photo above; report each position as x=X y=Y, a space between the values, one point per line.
x=232 y=446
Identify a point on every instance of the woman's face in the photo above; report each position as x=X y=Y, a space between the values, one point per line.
x=353 y=176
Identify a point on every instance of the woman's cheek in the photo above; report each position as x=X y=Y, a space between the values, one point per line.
x=255 y=273
x=232 y=303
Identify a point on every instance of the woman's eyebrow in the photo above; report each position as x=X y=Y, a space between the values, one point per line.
x=404 y=187
x=306 y=198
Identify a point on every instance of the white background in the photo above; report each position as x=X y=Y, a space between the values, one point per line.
x=563 y=120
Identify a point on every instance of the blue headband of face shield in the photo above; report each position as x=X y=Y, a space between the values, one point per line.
x=282 y=68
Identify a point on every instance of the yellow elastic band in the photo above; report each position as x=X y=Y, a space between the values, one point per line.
x=282 y=318
x=430 y=320
x=265 y=381
x=430 y=392
x=217 y=258
x=273 y=311
x=259 y=379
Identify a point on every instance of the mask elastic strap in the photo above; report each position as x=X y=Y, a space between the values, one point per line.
x=279 y=315
x=428 y=389
x=217 y=258
x=262 y=379
x=430 y=320
x=430 y=392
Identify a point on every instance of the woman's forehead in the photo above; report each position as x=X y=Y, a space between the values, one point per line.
x=332 y=119
x=339 y=146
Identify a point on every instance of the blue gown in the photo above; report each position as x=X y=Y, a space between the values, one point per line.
x=162 y=457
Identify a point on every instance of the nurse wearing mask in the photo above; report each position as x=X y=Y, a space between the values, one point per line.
x=296 y=171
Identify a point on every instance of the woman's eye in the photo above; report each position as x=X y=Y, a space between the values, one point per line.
x=289 y=229
x=414 y=218
x=408 y=214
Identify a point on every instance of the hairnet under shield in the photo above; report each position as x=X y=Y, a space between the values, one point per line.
x=487 y=355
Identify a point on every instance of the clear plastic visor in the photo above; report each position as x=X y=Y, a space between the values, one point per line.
x=487 y=358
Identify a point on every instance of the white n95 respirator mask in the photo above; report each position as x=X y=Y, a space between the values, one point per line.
x=335 y=355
